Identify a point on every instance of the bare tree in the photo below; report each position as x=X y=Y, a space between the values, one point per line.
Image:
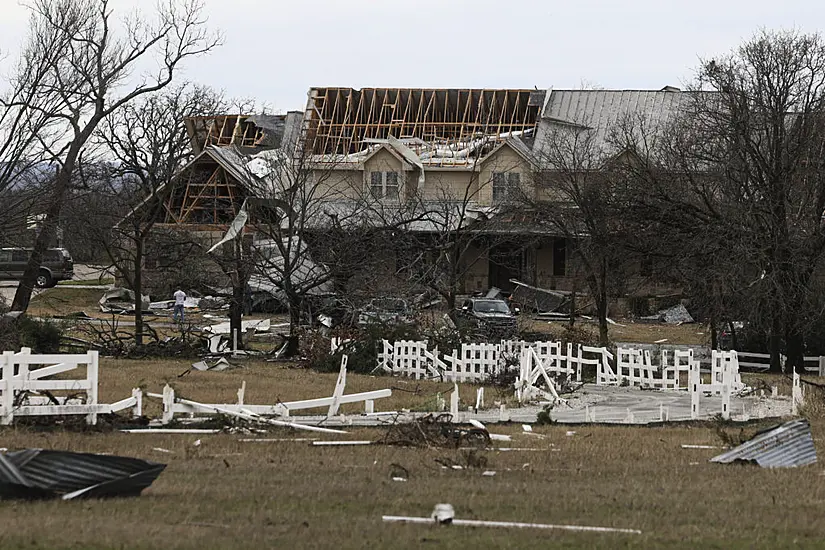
x=86 y=82
x=146 y=144
x=737 y=185
x=575 y=183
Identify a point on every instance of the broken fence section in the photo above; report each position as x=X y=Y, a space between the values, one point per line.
x=173 y=405
x=26 y=387
x=478 y=362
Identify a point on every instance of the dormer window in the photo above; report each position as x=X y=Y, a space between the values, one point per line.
x=384 y=185
x=505 y=185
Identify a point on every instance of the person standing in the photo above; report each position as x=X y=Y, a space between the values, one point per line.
x=180 y=298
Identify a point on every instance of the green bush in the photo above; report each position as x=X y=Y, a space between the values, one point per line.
x=41 y=336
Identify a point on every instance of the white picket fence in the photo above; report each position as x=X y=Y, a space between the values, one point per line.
x=478 y=362
x=635 y=367
x=26 y=377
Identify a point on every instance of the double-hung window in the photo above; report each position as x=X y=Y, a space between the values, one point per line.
x=505 y=185
x=384 y=185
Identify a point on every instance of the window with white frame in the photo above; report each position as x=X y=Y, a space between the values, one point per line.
x=505 y=185
x=384 y=185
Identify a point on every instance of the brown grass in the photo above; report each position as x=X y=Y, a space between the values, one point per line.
x=230 y=494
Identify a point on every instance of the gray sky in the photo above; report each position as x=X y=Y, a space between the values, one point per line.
x=275 y=50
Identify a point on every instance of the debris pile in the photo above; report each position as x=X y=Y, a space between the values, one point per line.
x=435 y=431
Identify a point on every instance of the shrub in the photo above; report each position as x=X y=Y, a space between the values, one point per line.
x=42 y=336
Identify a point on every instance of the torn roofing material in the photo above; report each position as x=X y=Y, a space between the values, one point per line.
x=39 y=474
x=786 y=446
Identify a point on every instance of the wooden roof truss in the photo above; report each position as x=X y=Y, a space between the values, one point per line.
x=344 y=121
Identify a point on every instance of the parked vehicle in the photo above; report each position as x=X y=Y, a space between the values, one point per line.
x=385 y=311
x=57 y=265
x=490 y=317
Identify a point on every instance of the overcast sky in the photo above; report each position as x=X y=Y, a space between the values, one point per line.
x=275 y=50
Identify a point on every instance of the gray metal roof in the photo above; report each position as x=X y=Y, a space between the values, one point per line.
x=36 y=473
x=786 y=446
x=602 y=110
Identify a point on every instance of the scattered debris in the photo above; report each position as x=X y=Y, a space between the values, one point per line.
x=701 y=447
x=493 y=437
x=488 y=473
x=279 y=440
x=398 y=472
x=675 y=315
x=189 y=303
x=161 y=450
x=541 y=300
x=218 y=366
x=121 y=300
x=41 y=474
x=788 y=445
x=260 y=325
x=444 y=514
x=340 y=443
x=434 y=431
x=169 y=431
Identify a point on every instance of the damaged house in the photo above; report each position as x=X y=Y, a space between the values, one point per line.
x=449 y=170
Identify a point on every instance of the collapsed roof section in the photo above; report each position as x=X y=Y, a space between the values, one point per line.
x=247 y=132
x=443 y=127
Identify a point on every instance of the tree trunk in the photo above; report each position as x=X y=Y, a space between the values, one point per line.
x=714 y=340
x=137 y=284
x=794 y=349
x=23 y=295
x=601 y=305
x=291 y=345
x=572 y=320
x=450 y=297
x=47 y=234
x=601 y=310
x=774 y=344
x=236 y=314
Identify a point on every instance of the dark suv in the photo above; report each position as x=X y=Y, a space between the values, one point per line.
x=489 y=316
x=57 y=265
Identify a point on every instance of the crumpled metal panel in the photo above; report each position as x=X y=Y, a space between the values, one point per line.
x=786 y=446
x=37 y=473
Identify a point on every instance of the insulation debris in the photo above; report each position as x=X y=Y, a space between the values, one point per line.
x=788 y=445
x=39 y=474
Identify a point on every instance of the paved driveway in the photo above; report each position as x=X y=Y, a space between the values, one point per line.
x=82 y=272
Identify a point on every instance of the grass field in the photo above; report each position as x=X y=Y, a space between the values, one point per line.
x=226 y=493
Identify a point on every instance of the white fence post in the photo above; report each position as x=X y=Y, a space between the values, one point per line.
x=694 y=379
x=137 y=410
x=91 y=392
x=8 y=388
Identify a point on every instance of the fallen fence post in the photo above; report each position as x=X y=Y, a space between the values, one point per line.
x=339 y=388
